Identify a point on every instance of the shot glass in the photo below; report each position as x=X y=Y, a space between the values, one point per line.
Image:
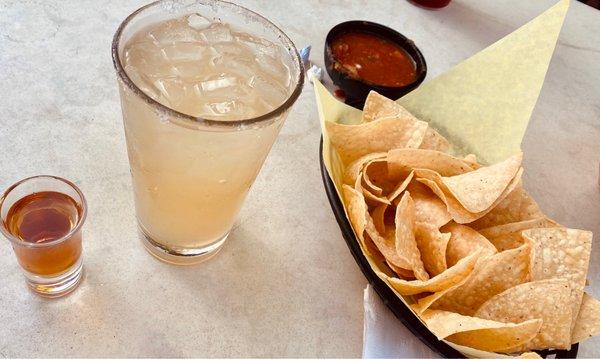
x=42 y=217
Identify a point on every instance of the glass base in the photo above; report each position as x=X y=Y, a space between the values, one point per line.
x=181 y=255
x=58 y=286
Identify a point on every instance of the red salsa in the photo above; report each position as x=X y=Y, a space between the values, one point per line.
x=373 y=59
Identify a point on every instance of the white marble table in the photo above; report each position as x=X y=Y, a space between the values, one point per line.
x=285 y=283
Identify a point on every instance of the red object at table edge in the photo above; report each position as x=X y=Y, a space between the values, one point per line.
x=431 y=4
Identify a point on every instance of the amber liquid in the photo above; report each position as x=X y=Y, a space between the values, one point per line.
x=45 y=217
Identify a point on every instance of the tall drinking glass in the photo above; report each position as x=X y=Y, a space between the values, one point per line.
x=205 y=88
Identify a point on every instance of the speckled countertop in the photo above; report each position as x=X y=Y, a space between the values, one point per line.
x=285 y=284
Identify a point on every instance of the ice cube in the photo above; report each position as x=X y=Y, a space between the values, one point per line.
x=240 y=65
x=224 y=107
x=155 y=69
x=257 y=45
x=268 y=56
x=230 y=49
x=141 y=81
x=270 y=60
x=222 y=86
x=190 y=70
x=231 y=108
x=198 y=21
x=183 y=51
x=216 y=33
x=269 y=89
x=171 y=90
x=176 y=30
x=141 y=50
x=220 y=83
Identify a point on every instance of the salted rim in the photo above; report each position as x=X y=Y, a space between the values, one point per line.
x=73 y=230
x=205 y=121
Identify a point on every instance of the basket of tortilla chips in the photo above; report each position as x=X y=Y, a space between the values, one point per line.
x=464 y=245
x=456 y=240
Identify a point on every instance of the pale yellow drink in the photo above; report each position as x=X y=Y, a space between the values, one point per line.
x=190 y=178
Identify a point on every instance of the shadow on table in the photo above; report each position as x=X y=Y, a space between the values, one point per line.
x=470 y=23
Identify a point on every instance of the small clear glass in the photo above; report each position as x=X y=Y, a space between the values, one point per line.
x=42 y=217
x=191 y=175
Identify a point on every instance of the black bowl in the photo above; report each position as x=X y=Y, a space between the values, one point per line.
x=389 y=298
x=357 y=90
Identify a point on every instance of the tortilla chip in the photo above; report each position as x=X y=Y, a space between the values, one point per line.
x=369 y=197
x=458 y=213
x=406 y=246
x=400 y=187
x=448 y=278
x=561 y=253
x=426 y=302
x=370 y=186
x=354 y=169
x=375 y=258
x=518 y=206
x=429 y=208
x=548 y=300
x=530 y=355
x=357 y=210
x=464 y=241
x=478 y=190
x=432 y=244
x=476 y=353
x=479 y=333
x=378 y=106
x=378 y=216
x=361 y=220
x=471 y=159
x=374 y=200
x=356 y=207
x=355 y=141
x=376 y=173
x=491 y=276
x=434 y=141
x=404 y=160
x=502 y=340
x=588 y=320
x=401 y=272
x=508 y=236
x=386 y=243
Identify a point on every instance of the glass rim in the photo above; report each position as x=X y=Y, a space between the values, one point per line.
x=73 y=230
x=290 y=100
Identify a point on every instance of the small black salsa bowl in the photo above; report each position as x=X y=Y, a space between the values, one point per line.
x=357 y=90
